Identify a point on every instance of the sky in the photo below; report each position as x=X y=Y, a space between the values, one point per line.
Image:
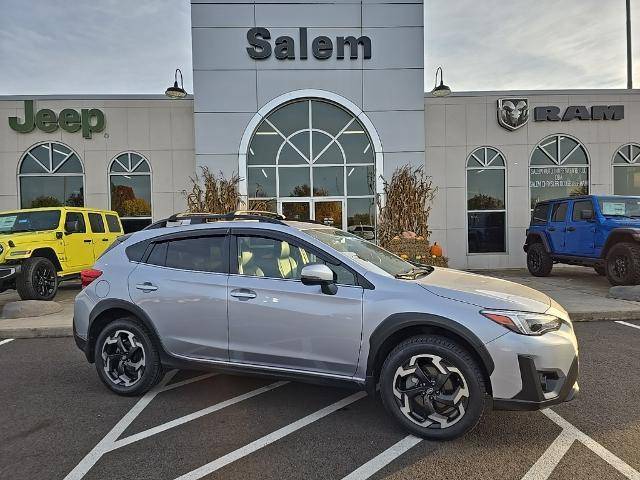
x=134 y=46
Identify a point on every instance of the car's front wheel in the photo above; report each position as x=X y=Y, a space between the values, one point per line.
x=539 y=262
x=623 y=264
x=433 y=387
x=37 y=280
x=126 y=358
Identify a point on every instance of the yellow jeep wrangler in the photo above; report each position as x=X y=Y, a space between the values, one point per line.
x=40 y=247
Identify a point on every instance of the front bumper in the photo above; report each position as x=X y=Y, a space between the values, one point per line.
x=532 y=396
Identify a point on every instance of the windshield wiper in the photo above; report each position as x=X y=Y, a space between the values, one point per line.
x=415 y=272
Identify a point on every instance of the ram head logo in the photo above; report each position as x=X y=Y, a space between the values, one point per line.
x=513 y=113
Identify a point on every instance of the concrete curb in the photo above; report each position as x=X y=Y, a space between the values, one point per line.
x=67 y=331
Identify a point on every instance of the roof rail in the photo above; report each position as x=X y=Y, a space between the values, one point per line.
x=203 y=218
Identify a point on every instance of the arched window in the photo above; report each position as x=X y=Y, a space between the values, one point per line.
x=312 y=159
x=51 y=175
x=559 y=167
x=486 y=201
x=130 y=190
x=626 y=170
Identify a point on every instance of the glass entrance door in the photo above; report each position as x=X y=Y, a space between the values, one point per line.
x=329 y=212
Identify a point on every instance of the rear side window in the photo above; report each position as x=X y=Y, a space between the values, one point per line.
x=136 y=251
x=540 y=214
x=76 y=217
x=579 y=207
x=203 y=254
x=113 y=224
x=559 y=212
x=158 y=255
x=96 y=222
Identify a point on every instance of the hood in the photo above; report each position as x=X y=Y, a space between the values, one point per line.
x=483 y=291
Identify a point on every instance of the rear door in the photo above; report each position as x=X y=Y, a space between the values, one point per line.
x=78 y=244
x=557 y=226
x=581 y=233
x=99 y=235
x=181 y=284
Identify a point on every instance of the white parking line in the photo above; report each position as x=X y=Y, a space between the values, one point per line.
x=543 y=468
x=6 y=340
x=378 y=462
x=270 y=438
x=632 y=325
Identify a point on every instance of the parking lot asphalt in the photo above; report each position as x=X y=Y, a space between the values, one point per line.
x=58 y=421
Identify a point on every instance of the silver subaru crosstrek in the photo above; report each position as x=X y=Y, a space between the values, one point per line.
x=311 y=302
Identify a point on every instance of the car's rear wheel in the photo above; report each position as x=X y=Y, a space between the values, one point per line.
x=126 y=357
x=623 y=264
x=433 y=387
x=600 y=270
x=539 y=262
x=37 y=280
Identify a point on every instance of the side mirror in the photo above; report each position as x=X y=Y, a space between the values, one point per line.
x=71 y=226
x=586 y=215
x=319 y=274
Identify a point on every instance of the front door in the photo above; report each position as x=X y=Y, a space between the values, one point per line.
x=182 y=287
x=581 y=232
x=557 y=226
x=276 y=321
x=78 y=242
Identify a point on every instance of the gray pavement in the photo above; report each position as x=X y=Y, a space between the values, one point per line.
x=56 y=411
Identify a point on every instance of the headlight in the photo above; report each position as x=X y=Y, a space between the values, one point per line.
x=526 y=323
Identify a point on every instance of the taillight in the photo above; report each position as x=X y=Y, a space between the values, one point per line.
x=88 y=276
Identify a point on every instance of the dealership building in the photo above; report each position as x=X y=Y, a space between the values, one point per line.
x=313 y=104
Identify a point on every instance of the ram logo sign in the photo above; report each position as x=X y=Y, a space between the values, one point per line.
x=513 y=113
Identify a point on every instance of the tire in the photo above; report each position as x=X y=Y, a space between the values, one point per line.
x=539 y=262
x=438 y=359
x=600 y=270
x=623 y=264
x=131 y=376
x=37 y=280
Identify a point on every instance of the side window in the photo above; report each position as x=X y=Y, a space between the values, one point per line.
x=158 y=255
x=582 y=206
x=268 y=257
x=559 y=212
x=203 y=254
x=540 y=214
x=113 y=224
x=96 y=222
x=73 y=217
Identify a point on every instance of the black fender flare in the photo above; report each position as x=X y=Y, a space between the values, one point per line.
x=543 y=238
x=112 y=304
x=399 y=321
x=621 y=231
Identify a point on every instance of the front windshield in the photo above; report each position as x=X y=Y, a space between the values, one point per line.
x=620 y=206
x=29 y=221
x=367 y=254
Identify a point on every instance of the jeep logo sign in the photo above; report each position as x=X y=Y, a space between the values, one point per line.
x=88 y=120
x=322 y=47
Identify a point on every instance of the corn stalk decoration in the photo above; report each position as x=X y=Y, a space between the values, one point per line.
x=215 y=194
x=409 y=195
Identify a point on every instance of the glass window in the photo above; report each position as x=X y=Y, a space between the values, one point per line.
x=626 y=170
x=203 y=254
x=304 y=146
x=113 y=224
x=559 y=168
x=75 y=218
x=158 y=255
x=559 y=212
x=486 y=201
x=96 y=222
x=130 y=190
x=361 y=214
x=51 y=175
x=540 y=214
x=579 y=207
x=620 y=206
x=29 y=221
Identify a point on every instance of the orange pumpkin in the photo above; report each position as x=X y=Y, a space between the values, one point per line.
x=436 y=250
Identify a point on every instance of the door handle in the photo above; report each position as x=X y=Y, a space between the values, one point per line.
x=105 y=239
x=243 y=293
x=87 y=241
x=146 y=287
x=552 y=229
x=571 y=229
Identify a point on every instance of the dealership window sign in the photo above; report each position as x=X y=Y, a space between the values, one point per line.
x=513 y=113
x=322 y=47
x=89 y=120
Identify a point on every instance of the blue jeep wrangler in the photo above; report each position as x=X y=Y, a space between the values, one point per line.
x=602 y=232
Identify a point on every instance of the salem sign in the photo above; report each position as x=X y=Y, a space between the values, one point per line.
x=322 y=47
x=89 y=120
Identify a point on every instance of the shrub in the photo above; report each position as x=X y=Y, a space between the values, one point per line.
x=217 y=194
